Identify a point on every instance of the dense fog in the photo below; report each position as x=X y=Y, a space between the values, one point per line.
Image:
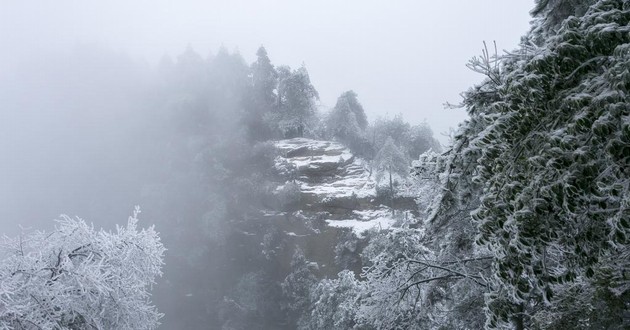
x=320 y=184
x=73 y=136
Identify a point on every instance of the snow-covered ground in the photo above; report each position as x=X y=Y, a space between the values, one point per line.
x=365 y=220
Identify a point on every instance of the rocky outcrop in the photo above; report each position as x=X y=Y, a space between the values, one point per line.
x=330 y=178
x=325 y=201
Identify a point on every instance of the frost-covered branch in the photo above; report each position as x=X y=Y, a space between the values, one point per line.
x=78 y=278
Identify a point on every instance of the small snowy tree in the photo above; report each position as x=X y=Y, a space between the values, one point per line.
x=347 y=122
x=384 y=128
x=392 y=161
x=297 y=286
x=334 y=304
x=421 y=140
x=77 y=278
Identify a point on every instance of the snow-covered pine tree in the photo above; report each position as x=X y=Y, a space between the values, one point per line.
x=263 y=98
x=421 y=140
x=551 y=13
x=297 y=286
x=296 y=102
x=264 y=79
x=392 y=163
x=347 y=122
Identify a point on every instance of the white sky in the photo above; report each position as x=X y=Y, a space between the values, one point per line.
x=400 y=56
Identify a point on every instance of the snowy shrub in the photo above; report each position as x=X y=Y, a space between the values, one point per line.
x=289 y=194
x=77 y=278
x=347 y=251
x=263 y=155
x=285 y=168
x=272 y=243
x=335 y=304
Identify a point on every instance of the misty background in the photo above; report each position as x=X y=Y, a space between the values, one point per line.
x=73 y=72
x=404 y=57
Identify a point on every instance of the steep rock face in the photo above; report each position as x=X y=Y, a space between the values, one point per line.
x=334 y=185
x=329 y=177
x=325 y=202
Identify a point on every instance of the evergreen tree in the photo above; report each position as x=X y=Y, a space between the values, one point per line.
x=551 y=13
x=264 y=80
x=297 y=286
x=190 y=70
x=421 y=140
x=391 y=161
x=347 y=122
x=548 y=144
x=334 y=304
x=263 y=97
x=384 y=128
x=296 y=102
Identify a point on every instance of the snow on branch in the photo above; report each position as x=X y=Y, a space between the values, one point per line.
x=78 y=278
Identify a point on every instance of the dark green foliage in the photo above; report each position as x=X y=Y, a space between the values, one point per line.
x=547 y=142
x=553 y=12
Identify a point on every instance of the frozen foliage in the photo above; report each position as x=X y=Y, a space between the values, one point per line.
x=551 y=13
x=334 y=304
x=77 y=278
x=296 y=286
x=390 y=160
x=295 y=111
x=347 y=122
x=411 y=140
x=547 y=145
x=404 y=286
x=392 y=166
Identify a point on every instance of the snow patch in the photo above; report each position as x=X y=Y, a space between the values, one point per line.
x=359 y=227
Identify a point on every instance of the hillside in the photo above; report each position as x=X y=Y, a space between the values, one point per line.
x=325 y=197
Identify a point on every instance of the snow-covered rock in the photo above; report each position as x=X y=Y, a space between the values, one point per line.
x=324 y=170
x=365 y=220
x=332 y=181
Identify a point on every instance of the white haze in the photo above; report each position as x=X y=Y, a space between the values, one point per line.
x=72 y=73
x=400 y=56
